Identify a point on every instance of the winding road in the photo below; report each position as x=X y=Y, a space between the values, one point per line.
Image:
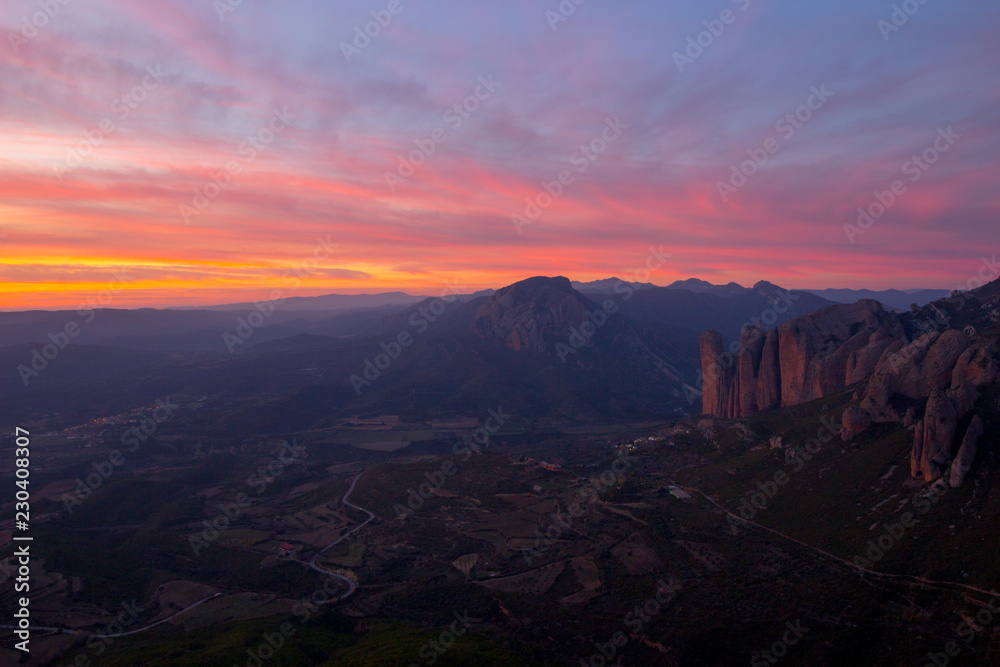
x=67 y=631
x=351 y=586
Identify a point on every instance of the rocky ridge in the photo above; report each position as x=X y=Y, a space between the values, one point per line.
x=925 y=369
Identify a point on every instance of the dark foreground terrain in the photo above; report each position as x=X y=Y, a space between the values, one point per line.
x=479 y=504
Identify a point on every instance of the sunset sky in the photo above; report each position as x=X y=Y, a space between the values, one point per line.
x=169 y=92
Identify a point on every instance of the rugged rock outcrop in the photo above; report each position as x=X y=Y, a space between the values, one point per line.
x=814 y=350
x=769 y=373
x=546 y=317
x=715 y=392
x=918 y=449
x=527 y=315
x=962 y=464
x=804 y=359
x=751 y=352
x=855 y=422
x=861 y=363
x=925 y=368
x=976 y=365
x=939 y=424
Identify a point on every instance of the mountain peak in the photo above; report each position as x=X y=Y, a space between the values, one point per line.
x=538 y=284
x=699 y=286
x=530 y=314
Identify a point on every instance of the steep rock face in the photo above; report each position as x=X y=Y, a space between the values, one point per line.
x=939 y=425
x=966 y=369
x=861 y=363
x=855 y=422
x=962 y=464
x=918 y=449
x=976 y=365
x=953 y=353
x=525 y=316
x=898 y=372
x=804 y=359
x=769 y=374
x=939 y=363
x=814 y=350
x=751 y=352
x=716 y=381
x=963 y=397
x=943 y=354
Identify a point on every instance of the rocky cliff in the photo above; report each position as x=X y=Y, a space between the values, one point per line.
x=925 y=369
x=529 y=315
x=547 y=316
x=802 y=360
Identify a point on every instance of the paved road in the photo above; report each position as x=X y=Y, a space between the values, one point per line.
x=67 y=631
x=351 y=586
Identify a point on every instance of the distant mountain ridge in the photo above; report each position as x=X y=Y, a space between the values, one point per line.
x=703 y=286
x=691 y=305
x=894 y=298
x=325 y=302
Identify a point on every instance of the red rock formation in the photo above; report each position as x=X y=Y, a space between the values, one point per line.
x=769 y=374
x=751 y=351
x=966 y=453
x=822 y=353
x=804 y=359
x=918 y=449
x=939 y=425
x=715 y=377
x=855 y=422
x=976 y=365
x=861 y=363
